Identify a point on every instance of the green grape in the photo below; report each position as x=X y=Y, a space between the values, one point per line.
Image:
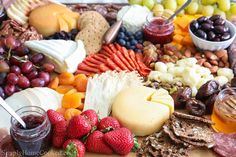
x=219 y=12
x=158 y=9
x=136 y=2
x=224 y=5
x=181 y=13
x=208 y=2
x=171 y=5
x=207 y=10
x=233 y=8
x=181 y=2
x=192 y=8
x=228 y=15
x=200 y=7
x=149 y=3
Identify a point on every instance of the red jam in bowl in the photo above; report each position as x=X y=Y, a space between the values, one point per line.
x=35 y=139
x=158 y=31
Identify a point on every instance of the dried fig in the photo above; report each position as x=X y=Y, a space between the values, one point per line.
x=181 y=96
x=206 y=90
x=195 y=107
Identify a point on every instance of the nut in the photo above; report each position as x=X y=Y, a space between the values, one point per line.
x=210 y=55
x=187 y=53
x=170 y=53
x=198 y=55
x=207 y=65
x=221 y=64
x=225 y=59
x=201 y=61
x=214 y=62
x=220 y=53
x=178 y=54
x=214 y=69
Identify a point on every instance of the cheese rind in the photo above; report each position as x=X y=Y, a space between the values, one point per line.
x=133 y=107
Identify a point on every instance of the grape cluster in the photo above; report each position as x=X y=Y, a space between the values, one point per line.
x=19 y=69
x=130 y=40
x=64 y=35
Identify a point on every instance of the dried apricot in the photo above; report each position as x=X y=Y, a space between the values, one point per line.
x=81 y=107
x=61 y=111
x=66 y=78
x=80 y=82
x=71 y=112
x=54 y=83
x=64 y=89
x=71 y=100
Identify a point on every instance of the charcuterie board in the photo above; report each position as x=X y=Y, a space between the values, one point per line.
x=118 y=79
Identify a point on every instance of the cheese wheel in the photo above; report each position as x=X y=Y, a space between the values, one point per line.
x=135 y=109
x=50 y=18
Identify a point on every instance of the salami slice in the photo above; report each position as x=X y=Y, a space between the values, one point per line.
x=93 y=60
x=225 y=144
x=117 y=60
x=112 y=47
x=88 y=73
x=143 y=67
x=108 y=50
x=83 y=66
x=104 y=68
x=118 y=47
x=87 y=62
x=99 y=58
x=112 y=65
x=125 y=52
x=105 y=53
x=133 y=58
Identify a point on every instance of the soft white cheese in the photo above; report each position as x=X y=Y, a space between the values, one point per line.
x=65 y=54
x=134 y=17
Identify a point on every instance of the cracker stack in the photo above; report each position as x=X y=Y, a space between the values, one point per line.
x=93 y=26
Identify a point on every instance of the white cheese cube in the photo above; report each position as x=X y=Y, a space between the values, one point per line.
x=226 y=72
x=160 y=66
x=221 y=79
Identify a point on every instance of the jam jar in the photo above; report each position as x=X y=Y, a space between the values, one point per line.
x=3 y=15
x=157 y=29
x=35 y=139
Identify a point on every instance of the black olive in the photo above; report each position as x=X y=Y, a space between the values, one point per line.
x=206 y=26
x=216 y=39
x=202 y=19
x=220 y=29
x=219 y=22
x=225 y=36
x=201 y=34
x=215 y=17
x=195 y=107
x=211 y=35
x=194 y=25
x=209 y=21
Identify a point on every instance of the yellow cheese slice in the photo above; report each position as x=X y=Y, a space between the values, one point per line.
x=135 y=109
x=63 y=25
x=71 y=22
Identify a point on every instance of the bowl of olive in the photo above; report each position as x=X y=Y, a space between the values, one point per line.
x=212 y=33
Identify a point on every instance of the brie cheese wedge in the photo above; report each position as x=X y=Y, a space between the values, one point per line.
x=64 y=54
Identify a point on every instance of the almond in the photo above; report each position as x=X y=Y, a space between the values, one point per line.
x=225 y=59
x=214 y=69
x=198 y=55
x=187 y=53
x=214 y=62
x=207 y=65
x=211 y=55
x=220 y=53
x=201 y=61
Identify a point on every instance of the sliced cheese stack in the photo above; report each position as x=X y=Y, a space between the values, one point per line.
x=43 y=97
x=65 y=55
x=52 y=18
x=143 y=110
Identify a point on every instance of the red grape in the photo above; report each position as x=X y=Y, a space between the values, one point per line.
x=26 y=67
x=4 y=67
x=48 y=67
x=14 y=61
x=38 y=82
x=37 y=58
x=11 y=42
x=2 y=78
x=32 y=75
x=21 y=51
x=45 y=76
x=15 y=69
x=12 y=78
x=2 y=94
x=23 y=82
x=9 y=89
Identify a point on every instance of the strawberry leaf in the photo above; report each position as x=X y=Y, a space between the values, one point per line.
x=136 y=144
x=108 y=129
x=84 y=139
x=71 y=150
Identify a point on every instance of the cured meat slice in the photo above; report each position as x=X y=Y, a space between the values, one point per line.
x=105 y=53
x=112 y=47
x=83 y=66
x=108 y=50
x=123 y=59
x=225 y=144
x=118 y=47
x=117 y=60
x=132 y=56
x=87 y=73
x=93 y=60
x=112 y=65
x=102 y=55
x=125 y=53
x=87 y=62
x=143 y=67
x=104 y=68
x=99 y=58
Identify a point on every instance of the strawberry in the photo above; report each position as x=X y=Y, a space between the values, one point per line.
x=96 y=144
x=59 y=134
x=74 y=148
x=108 y=123
x=54 y=116
x=91 y=116
x=78 y=127
x=120 y=140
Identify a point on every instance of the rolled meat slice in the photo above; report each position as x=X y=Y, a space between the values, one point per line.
x=117 y=60
x=87 y=62
x=87 y=73
x=104 y=68
x=123 y=59
x=105 y=53
x=133 y=58
x=93 y=60
x=83 y=66
x=107 y=49
x=112 y=65
x=100 y=58
x=145 y=70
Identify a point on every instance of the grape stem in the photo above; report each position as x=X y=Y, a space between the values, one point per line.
x=9 y=54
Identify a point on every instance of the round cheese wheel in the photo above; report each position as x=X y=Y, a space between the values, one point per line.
x=140 y=110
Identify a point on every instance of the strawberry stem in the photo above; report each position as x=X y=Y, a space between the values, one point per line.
x=136 y=144
x=84 y=139
x=107 y=129
x=71 y=150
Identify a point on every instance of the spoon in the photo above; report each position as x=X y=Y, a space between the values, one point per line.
x=12 y=112
x=179 y=10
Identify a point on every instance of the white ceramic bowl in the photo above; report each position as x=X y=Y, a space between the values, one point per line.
x=213 y=45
